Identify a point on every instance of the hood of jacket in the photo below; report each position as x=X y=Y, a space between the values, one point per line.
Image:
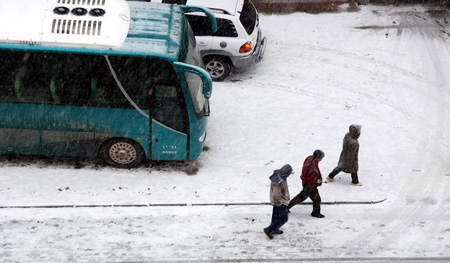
x=280 y=175
x=355 y=131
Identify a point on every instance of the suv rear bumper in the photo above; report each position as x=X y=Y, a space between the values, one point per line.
x=256 y=56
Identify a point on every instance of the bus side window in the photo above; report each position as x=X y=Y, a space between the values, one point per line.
x=33 y=80
x=53 y=90
x=77 y=79
x=133 y=75
x=8 y=69
x=95 y=96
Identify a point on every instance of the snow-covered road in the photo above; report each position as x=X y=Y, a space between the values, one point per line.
x=217 y=233
x=386 y=68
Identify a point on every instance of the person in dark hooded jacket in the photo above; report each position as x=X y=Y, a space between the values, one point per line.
x=311 y=179
x=348 y=161
x=279 y=198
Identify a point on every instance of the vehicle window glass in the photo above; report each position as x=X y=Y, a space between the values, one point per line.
x=201 y=25
x=134 y=75
x=225 y=28
x=189 y=52
x=195 y=84
x=9 y=66
x=78 y=78
x=28 y=77
x=88 y=81
x=167 y=104
x=249 y=17
x=179 y=2
x=168 y=108
x=162 y=71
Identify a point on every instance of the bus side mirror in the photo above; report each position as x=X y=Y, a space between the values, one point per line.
x=192 y=9
x=206 y=79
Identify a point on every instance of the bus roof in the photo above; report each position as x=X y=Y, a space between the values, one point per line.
x=153 y=30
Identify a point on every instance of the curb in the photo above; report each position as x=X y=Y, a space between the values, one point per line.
x=169 y=205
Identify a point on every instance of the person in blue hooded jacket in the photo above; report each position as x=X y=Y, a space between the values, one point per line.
x=279 y=198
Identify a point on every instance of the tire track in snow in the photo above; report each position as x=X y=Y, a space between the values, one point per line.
x=398 y=227
x=329 y=98
x=436 y=123
x=395 y=72
x=359 y=70
x=395 y=76
x=432 y=124
x=355 y=57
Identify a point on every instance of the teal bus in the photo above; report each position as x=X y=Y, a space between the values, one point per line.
x=109 y=79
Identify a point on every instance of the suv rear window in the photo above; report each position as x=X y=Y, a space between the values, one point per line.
x=249 y=17
x=179 y=2
x=201 y=25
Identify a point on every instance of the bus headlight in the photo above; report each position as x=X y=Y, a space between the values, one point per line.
x=202 y=138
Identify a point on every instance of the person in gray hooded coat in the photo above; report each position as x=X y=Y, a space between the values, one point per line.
x=348 y=162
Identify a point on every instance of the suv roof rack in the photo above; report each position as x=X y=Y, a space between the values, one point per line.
x=218 y=10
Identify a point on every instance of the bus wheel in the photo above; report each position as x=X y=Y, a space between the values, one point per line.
x=218 y=68
x=122 y=153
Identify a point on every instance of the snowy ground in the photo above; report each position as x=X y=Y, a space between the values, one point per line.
x=386 y=68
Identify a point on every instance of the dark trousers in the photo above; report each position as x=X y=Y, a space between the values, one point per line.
x=338 y=170
x=312 y=193
x=280 y=216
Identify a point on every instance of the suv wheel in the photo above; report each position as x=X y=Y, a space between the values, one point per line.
x=218 y=68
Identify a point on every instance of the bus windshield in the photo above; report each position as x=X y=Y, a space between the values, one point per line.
x=195 y=83
x=192 y=56
x=199 y=102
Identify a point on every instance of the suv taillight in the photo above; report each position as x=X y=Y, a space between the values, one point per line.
x=247 y=47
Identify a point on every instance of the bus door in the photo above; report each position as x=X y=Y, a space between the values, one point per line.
x=169 y=123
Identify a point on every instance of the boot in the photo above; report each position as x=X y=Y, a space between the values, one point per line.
x=268 y=232
x=318 y=215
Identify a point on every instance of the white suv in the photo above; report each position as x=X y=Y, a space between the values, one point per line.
x=238 y=42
